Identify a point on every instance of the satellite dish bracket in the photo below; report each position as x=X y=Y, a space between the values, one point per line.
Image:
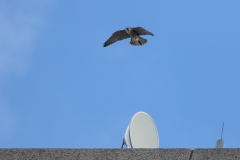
x=123 y=143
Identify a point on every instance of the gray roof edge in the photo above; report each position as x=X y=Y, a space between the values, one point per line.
x=119 y=154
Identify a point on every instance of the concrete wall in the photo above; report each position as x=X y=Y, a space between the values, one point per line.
x=119 y=154
x=216 y=154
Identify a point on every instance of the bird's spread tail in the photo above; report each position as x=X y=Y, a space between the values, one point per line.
x=139 y=41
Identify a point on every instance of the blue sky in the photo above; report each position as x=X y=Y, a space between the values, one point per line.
x=59 y=88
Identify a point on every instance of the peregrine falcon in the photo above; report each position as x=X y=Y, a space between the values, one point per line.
x=133 y=33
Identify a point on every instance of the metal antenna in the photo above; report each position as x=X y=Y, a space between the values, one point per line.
x=220 y=143
x=222 y=130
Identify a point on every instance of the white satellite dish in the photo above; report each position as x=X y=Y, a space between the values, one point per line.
x=141 y=132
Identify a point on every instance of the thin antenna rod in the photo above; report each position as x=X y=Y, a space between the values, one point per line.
x=222 y=130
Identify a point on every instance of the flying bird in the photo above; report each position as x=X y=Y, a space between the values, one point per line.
x=133 y=33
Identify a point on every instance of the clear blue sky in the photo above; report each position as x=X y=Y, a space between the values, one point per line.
x=60 y=88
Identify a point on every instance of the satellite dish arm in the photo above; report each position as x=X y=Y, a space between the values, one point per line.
x=123 y=143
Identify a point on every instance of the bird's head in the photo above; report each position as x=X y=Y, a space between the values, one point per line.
x=128 y=29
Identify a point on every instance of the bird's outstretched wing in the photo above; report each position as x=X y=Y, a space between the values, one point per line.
x=116 y=36
x=142 y=31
